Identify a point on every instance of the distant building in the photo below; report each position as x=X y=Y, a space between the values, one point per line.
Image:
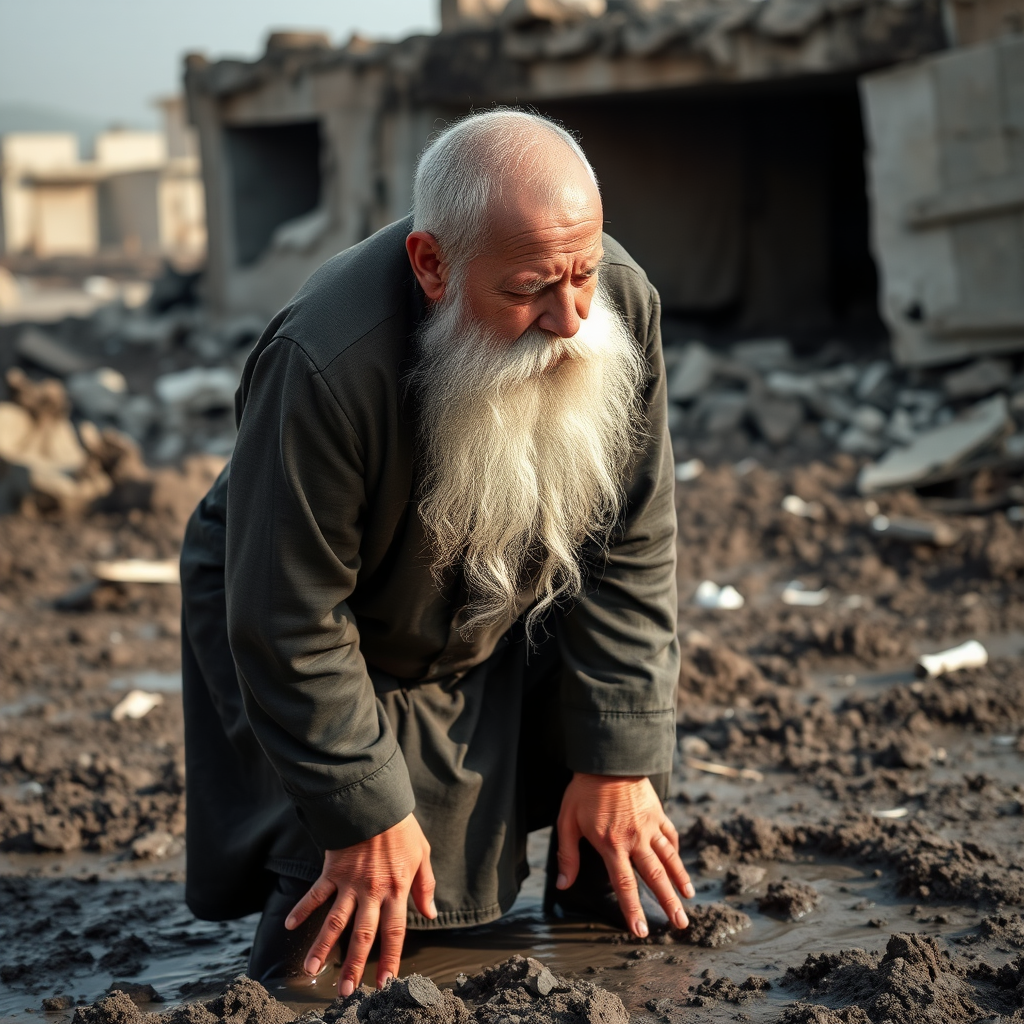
x=139 y=199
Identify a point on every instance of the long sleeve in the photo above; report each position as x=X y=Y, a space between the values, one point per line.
x=618 y=644
x=296 y=509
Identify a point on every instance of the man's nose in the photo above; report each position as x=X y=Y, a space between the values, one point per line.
x=565 y=310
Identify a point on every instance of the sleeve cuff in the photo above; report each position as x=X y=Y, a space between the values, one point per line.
x=619 y=743
x=362 y=810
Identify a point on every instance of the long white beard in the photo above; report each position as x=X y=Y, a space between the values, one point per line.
x=524 y=446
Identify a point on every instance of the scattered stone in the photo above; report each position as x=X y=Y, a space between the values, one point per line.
x=789 y=900
x=915 y=531
x=978 y=379
x=42 y=350
x=198 y=390
x=938 y=448
x=98 y=395
x=692 y=373
x=422 y=991
x=154 y=846
x=763 y=354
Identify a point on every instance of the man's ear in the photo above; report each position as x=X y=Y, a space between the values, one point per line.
x=427 y=264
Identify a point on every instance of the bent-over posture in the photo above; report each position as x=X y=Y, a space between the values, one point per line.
x=431 y=606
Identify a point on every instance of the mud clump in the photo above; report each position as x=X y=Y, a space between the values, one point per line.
x=414 y=1000
x=926 y=865
x=713 y=924
x=912 y=982
x=519 y=990
x=789 y=900
x=712 y=990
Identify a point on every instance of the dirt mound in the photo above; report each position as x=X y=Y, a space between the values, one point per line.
x=926 y=864
x=520 y=989
x=712 y=990
x=912 y=982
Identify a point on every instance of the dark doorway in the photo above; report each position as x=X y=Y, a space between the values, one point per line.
x=746 y=205
x=275 y=176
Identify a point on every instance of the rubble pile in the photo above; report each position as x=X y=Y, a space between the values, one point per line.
x=163 y=377
x=916 y=427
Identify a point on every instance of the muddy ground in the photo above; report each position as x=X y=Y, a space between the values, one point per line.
x=869 y=867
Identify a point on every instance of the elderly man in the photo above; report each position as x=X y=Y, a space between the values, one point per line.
x=433 y=605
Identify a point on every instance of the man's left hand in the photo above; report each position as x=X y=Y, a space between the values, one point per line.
x=623 y=819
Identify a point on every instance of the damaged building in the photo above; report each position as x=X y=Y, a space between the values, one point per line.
x=728 y=135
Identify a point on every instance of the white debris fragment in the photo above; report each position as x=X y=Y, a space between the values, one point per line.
x=136 y=704
x=689 y=470
x=710 y=595
x=892 y=812
x=1015 y=513
x=915 y=531
x=799 y=596
x=198 y=389
x=745 y=466
x=969 y=655
x=796 y=506
x=138 y=570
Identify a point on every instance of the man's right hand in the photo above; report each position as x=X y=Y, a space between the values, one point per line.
x=370 y=883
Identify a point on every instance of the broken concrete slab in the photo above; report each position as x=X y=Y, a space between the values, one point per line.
x=692 y=373
x=978 y=379
x=777 y=418
x=763 y=354
x=99 y=394
x=198 y=389
x=721 y=411
x=938 y=448
x=43 y=350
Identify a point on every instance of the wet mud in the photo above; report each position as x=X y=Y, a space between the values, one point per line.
x=860 y=861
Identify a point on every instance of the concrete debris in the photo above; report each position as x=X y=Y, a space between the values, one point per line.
x=710 y=595
x=135 y=704
x=692 y=373
x=797 y=595
x=726 y=770
x=915 y=531
x=891 y=813
x=971 y=654
x=778 y=419
x=689 y=470
x=42 y=350
x=155 y=845
x=721 y=411
x=978 y=379
x=198 y=390
x=138 y=570
x=939 y=448
x=796 y=506
x=98 y=394
x=763 y=354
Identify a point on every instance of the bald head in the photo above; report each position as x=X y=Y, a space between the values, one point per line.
x=497 y=169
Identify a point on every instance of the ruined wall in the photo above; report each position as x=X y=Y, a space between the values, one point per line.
x=624 y=81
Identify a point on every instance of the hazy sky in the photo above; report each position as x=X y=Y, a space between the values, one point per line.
x=107 y=59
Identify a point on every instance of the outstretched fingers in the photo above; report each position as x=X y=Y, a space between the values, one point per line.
x=668 y=852
x=392 y=937
x=652 y=870
x=569 y=836
x=330 y=931
x=319 y=893
x=364 y=930
x=620 y=871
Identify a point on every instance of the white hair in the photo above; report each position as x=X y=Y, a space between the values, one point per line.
x=462 y=171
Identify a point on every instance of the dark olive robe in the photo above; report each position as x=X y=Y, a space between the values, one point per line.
x=328 y=689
